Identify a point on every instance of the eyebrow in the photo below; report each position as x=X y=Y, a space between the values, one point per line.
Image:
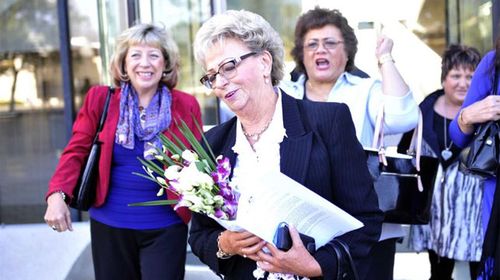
x=211 y=70
x=324 y=38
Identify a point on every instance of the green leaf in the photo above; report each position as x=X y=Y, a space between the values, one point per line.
x=145 y=176
x=203 y=136
x=152 y=165
x=170 y=145
x=154 y=203
x=196 y=145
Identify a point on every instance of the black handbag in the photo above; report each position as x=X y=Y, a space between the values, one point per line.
x=482 y=155
x=404 y=183
x=85 y=190
x=345 y=265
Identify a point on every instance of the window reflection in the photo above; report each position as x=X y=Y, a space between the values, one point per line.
x=183 y=18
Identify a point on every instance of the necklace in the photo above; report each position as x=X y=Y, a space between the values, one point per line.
x=256 y=136
x=446 y=153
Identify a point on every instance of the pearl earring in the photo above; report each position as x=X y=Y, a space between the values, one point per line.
x=266 y=79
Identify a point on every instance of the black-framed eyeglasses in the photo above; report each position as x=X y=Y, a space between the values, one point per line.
x=226 y=69
x=328 y=43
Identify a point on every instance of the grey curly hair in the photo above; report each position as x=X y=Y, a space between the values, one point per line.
x=249 y=28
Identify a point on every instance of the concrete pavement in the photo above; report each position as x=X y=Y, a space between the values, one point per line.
x=34 y=251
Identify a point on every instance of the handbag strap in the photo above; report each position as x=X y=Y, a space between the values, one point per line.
x=416 y=140
x=104 y=114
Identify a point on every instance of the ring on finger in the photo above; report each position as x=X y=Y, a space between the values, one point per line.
x=245 y=256
x=54 y=227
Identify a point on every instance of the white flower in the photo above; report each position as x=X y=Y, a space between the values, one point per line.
x=160 y=192
x=161 y=181
x=158 y=156
x=148 y=170
x=190 y=176
x=172 y=172
x=189 y=156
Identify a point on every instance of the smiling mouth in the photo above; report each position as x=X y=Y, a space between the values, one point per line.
x=145 y=74
x=230 y=94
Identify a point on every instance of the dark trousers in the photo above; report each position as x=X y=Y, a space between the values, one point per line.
x=382 y=260
x=442 y=268
x=138 y=254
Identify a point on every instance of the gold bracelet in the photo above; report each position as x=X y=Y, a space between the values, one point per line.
x=461 y=117
x=386 y=57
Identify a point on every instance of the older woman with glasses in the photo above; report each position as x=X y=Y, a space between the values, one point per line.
x=313 y=143
x=325 y=48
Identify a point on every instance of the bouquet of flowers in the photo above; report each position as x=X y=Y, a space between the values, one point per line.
x=199 y=179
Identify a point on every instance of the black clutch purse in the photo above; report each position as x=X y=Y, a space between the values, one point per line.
x=85 y=190
x=283 y=240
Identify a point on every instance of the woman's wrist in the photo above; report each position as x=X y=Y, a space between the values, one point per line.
x=464 y=123
x=61 y=194
x=221 y=254
x=384 y=58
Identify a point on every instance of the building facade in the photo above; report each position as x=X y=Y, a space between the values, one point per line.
x=52 y=51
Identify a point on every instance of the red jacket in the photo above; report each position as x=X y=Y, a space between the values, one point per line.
x=65 y=177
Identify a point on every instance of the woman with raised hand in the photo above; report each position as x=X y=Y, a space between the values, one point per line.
x=324 y=52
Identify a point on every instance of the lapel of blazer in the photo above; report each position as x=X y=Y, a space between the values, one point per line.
x=295 y=149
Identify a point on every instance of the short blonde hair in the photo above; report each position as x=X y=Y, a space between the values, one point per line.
x=151 y=35
x=249 y=28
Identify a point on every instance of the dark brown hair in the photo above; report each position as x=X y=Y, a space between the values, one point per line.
x=456 y=56
x=318 y=18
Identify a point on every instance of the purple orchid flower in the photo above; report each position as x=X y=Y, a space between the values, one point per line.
x=219 y=213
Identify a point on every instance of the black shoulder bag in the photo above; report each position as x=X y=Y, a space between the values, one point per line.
x=404 y=182
x=482 y=155
x=85 y=190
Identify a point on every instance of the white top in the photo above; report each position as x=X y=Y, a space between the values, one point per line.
x=266 y=156
x=364 y=96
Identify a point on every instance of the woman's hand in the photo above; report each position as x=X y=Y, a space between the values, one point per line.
x=57 y=215
x=384 y=46
x=296 y=261
x=487 y=109
x=242 y=243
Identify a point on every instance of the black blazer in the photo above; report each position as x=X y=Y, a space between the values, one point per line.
x=320 y=151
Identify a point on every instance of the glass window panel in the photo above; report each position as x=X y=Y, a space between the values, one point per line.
x=31 y=117
x=183 y=18
x=475 y=23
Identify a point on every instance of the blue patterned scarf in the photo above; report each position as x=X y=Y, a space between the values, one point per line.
x=157 y=118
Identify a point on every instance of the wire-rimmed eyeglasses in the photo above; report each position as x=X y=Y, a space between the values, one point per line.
x=328 y=43
x=226 y=69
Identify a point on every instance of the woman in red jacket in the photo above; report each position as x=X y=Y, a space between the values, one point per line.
x=129 y=242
